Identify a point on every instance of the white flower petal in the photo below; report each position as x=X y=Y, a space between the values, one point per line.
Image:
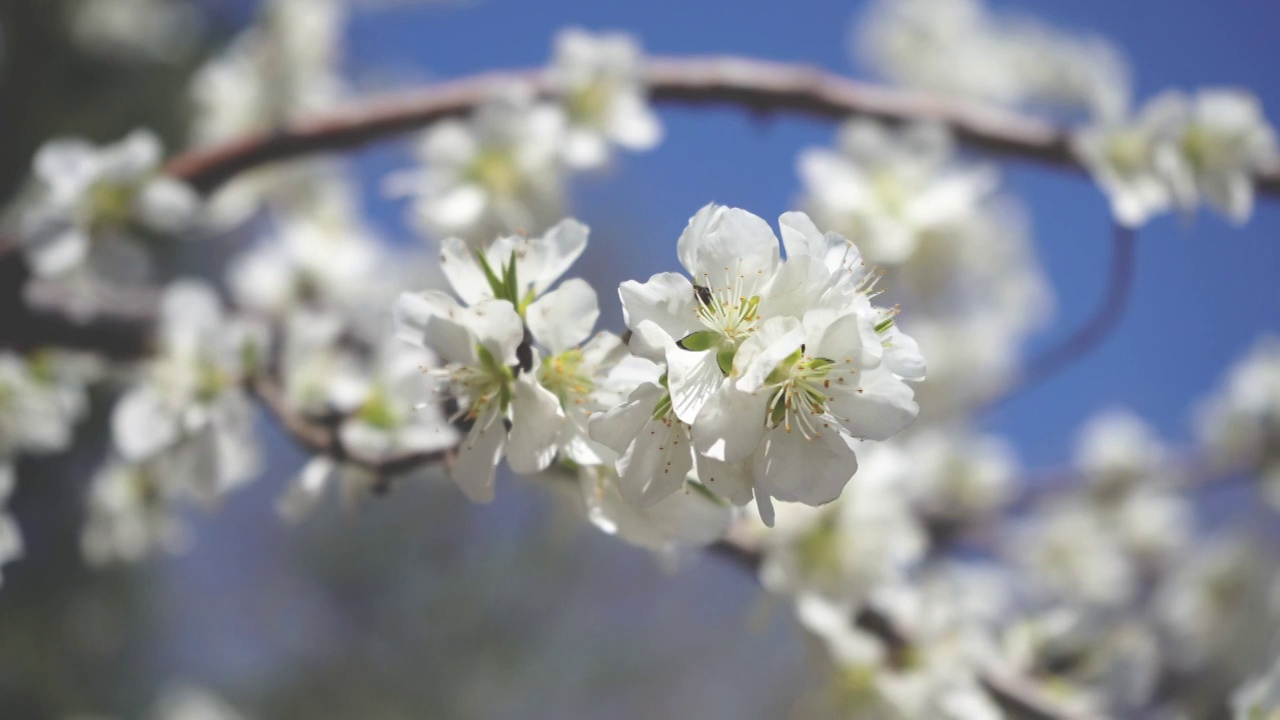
x=458 y=261
x=142 y=426
x=478 y=457
x=656 y=463
x=730 y=424
x=550 y=256
x=306 y=490
x=794 y=468
x=731 y=481
x=618 y=427
x=564 y=317
x=693 y=377
x=536 y=423
x=667 y=300
x=879 y=408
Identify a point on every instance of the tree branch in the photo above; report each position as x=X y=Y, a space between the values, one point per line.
x=1100 y=324
x=1021 y=697
x=761 y=86
x=323 y=437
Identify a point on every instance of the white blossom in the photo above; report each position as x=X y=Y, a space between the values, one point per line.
x=959 y=48
x=843 y=551
x=284 y=65
x=1098 y=664
x=1258 y=699
x=684 y=519
x=387 y=412
x=494 y=173
x=86 y=196
x=311 y=261
x=41 y=399
x=1218 y=141
x=482 y=373
x=1239 y=426
x=958 y=476
x=1213 y=602
x=191 y=408
x=600 y=82
x=133 y=510
x=774 y=368
x=934 y=674
x=1116 y=450
x=151 y=30
x=887 y=190
x=1068 y=552
x=1127 y=158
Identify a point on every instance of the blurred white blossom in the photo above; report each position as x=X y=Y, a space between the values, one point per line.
x=866 y=539
x=1258 y=699
x=886 y=190
x=152 y=30
x=1220 y=140
x=960 y=48
x=1097 y=664
x=87 y=196
x=133 y=511
x=1067 y=552
x=1180 y=150
x=495 y=173
x=955 y=476
x=190 y=409
x=1240 y=424
x=599 y=79
x=686 y=519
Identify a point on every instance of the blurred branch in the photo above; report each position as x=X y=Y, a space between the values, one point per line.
x=1100 y=324
x=1022 y=697
x=121 y=331
x=760 y=86
x=322 y=436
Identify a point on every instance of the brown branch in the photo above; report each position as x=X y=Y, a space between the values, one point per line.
x=1096 y=328
x=1019 y=696
x=760 y=86
x=322 y=436
x=122 y=332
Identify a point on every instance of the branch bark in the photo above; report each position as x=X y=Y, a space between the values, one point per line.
x=1097 y=327
x=322 y=437
x=760 y=86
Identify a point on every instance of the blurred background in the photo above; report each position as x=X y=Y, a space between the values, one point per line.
x=426 y=606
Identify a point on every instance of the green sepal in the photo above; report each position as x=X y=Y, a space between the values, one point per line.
x=783 y=369
x=724 y=358
x=699 y=341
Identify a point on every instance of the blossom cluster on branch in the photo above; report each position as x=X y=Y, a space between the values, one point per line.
x=770 y=402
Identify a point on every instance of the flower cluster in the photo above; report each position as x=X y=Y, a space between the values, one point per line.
x=519 y=358
x=774 y=369
x=1180 y=150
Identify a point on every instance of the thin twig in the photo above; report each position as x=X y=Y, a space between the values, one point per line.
x=1097 y=327
x=323 y=437
x=1022 y=697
